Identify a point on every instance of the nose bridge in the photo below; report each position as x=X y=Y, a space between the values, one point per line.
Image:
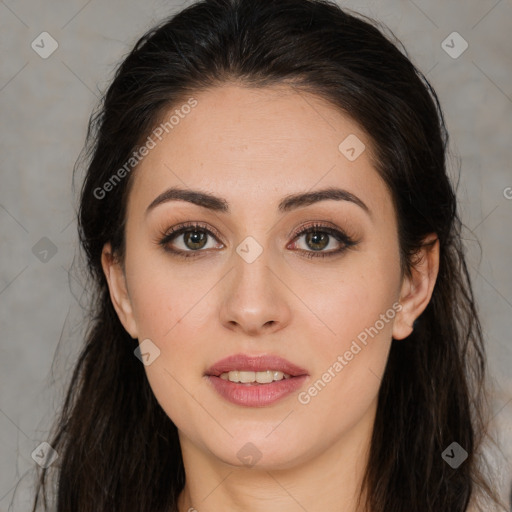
x=253 y=276
x=252 y=256
x=254 y=294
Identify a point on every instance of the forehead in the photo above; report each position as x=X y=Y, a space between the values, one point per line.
x=257 y=145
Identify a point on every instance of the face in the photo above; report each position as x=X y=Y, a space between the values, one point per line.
x=244 y=279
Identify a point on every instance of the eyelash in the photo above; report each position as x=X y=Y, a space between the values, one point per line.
x=337 y=234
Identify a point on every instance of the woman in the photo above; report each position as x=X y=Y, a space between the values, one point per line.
x=283 y=316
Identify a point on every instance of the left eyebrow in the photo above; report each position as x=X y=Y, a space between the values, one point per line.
x=288 y=203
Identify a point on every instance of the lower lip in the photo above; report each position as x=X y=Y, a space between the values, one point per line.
x=256 y=395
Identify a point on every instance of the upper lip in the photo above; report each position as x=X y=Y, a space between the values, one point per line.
x=243 y=362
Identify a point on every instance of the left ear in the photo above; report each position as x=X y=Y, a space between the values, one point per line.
x=417 y=290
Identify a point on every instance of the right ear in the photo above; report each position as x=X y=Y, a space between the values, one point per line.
x=118 y=290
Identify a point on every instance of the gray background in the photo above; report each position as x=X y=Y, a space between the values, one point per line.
x=45 y=105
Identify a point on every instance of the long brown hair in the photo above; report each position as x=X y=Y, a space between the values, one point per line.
x=117 y=448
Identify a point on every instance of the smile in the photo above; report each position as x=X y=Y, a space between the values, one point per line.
x=264 y=377
x=255 y=380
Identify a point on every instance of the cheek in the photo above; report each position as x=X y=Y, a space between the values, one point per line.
x=357 y=312
x=170 y=315
x=165 y=294
x=354 y=301
x=170 y=304
x=348 y=367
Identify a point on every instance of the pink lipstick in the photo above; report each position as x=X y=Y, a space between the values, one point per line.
x=255 y=381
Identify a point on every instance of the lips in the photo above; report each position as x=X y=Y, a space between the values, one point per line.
x=255 y=394
x=242 y=362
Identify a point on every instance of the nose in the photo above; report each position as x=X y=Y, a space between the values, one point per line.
x=255 y=297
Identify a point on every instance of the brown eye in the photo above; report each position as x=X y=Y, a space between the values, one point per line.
x=317 y=240
x=318 y=237
x=194 y=238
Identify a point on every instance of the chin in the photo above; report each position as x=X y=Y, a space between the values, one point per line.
x=259 y=450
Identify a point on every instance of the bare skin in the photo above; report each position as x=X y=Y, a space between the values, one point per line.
x=252 y=148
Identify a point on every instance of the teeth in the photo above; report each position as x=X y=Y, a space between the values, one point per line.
x=259 y=377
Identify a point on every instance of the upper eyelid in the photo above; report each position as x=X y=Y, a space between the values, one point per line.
x=183 y=227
